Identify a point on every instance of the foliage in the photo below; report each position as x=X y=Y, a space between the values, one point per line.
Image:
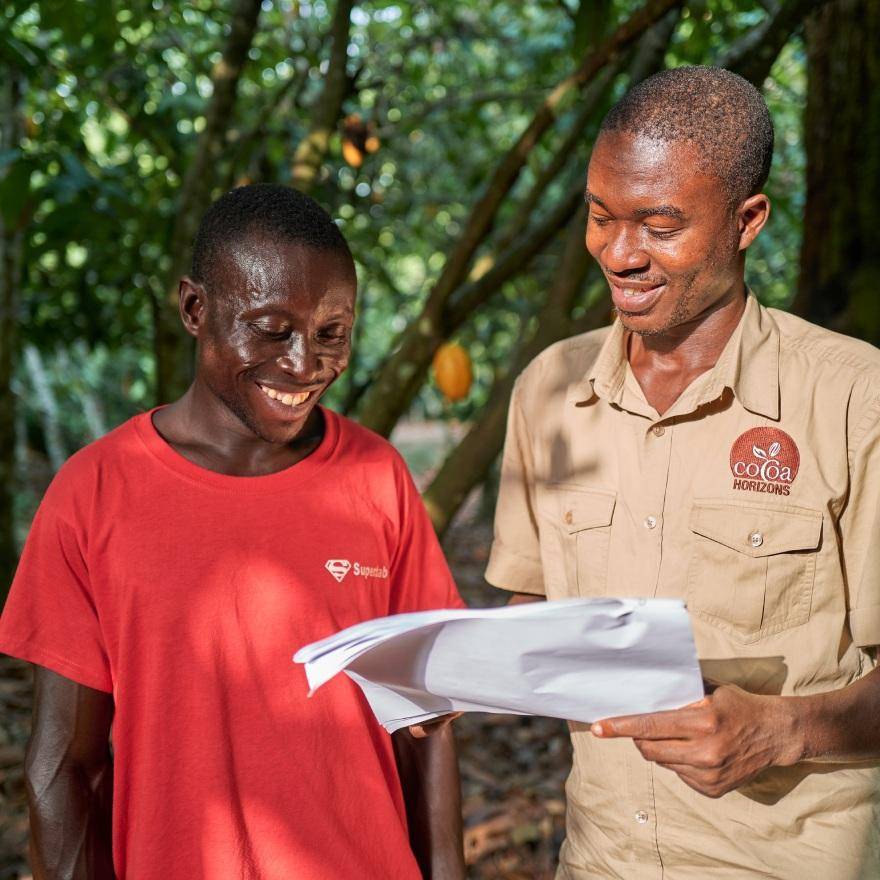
x=115 y=100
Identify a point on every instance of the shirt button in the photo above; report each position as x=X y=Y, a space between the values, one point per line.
x=658 y=430
x=641 y=817
x=756 y=539
x=650 y=522
x=568 y=517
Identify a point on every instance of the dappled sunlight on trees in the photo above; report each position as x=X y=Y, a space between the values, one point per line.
x=449 y=140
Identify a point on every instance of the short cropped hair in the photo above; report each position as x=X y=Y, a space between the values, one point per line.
x=723 y=115
x=277 y=212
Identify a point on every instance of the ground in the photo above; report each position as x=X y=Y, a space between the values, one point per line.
x=513 y=768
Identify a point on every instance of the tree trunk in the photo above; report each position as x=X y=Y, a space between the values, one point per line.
x=174 y=352
x=326 y=110
x=467 y=465
x=753 y=56
x=840 y=255
x=11 y=247
x=399 y=378
x=409 y=364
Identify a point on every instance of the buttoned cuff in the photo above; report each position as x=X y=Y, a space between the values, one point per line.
x=509 y=571
x=864 y=624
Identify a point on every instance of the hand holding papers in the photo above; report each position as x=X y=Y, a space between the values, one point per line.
x=579 y=659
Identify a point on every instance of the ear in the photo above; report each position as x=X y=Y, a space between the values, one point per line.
x=751 y=215
x=192 y=302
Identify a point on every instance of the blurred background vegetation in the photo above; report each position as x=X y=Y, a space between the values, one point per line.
x=449 y=139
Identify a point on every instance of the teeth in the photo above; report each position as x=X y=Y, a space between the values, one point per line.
x=287 y=399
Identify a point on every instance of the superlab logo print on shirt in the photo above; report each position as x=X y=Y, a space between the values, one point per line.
x=339 y=568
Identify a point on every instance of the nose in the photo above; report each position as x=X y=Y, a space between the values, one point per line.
x=300 y=361
x=623 y=252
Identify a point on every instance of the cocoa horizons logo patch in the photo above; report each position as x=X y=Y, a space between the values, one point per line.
x=764 y=460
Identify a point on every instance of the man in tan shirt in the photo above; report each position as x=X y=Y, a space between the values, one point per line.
x=707 y=448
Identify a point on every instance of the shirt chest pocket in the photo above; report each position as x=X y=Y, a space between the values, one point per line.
x=576 y=549
x=753 y=565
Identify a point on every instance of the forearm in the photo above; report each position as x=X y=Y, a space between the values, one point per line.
x=70 y=817
x=69 y=779
x=838 y=726
x=429 y=777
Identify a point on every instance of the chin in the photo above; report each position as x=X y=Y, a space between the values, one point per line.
x=281 y=434
x=279 y=431
x=643 y=325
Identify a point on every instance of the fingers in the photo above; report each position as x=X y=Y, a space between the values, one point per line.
x=429 y=728
x=675 y=724
x=706 y=782
x=675 y=751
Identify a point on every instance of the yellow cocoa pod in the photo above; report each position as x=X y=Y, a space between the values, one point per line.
x=352 y=154
x=452 y=371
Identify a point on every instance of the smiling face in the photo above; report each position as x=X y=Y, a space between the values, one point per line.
x=274 y=332
x=664 y=232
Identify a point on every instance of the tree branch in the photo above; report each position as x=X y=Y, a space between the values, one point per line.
x=173 y=354
x=647 y=58
x=327 y=108
x=467 y=465
x=416 y=114
x=521 y=252
x=11 y=262
x=595 y=93
x=409 y=362
x=400 y=377
x=244 y=144
x=508 y=170
x=753 y=55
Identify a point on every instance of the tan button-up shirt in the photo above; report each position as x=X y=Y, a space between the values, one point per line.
x=755 y=498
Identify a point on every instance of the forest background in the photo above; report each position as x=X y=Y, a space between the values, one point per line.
x=450 y=140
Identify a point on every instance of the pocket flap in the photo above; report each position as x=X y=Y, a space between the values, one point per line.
x=757 y=529
x=580 y=509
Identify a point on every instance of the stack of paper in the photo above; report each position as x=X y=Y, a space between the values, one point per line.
x=579 y=659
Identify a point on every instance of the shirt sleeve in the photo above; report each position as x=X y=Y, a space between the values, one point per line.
x=50 y=616
x=515 y=559
x=421 y=580
x=860 y=536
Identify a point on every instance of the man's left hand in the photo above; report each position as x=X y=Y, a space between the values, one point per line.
x=716 y=744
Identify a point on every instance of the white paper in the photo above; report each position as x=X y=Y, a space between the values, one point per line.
x=578 y=659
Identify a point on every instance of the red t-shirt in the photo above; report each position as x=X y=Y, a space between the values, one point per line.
x=185 y=593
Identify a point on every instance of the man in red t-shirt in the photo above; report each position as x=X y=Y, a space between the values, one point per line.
x=176 y=565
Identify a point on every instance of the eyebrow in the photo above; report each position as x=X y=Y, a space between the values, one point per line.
x=271 y=310
x=655 y=211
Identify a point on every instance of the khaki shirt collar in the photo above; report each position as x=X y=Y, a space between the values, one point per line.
x=748 y=366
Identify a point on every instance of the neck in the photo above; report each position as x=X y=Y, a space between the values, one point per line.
x=202 y=429
x=667 y=363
